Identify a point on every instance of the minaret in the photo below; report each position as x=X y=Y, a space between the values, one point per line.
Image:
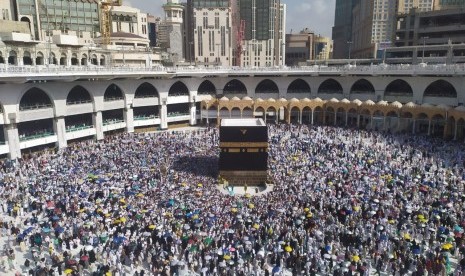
x=173 y=18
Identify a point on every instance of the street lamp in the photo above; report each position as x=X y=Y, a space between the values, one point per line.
x=191 y=44
x=350 y=47
x=218 y=55
x=423 y=52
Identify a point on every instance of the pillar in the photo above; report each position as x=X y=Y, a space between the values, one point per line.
x=312 y=116
x=193 y=117
x=129 y=118
x=371 y=122
x=335 y=117
x=19 y=59
x=300 y=116
x=413 y=128
x=384 y=123
x=60 y=129
x=455 y=130
x=347 y=118
x=429 y=127
x=163 y=115
x=358 y=120
x=98 y=125
x=12 y=138
x=398 y=124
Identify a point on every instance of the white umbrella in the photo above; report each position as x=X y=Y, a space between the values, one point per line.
x=89 y=247
x=208 y=257
x=187 y=227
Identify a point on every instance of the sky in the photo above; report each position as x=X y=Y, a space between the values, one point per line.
x=317 y=15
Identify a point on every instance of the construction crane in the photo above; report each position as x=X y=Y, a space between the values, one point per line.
x=105 y=8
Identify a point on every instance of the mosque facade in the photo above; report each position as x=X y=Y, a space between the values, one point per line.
x=48 y=107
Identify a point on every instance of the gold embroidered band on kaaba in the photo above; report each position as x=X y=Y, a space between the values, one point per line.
x=243 y=144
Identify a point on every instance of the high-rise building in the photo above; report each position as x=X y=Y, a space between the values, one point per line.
x=300 y=47
x=50 y=16
x=373 y=27
x=404 y=6
x=129 y=20
x=264 y=32
x=342 y=30
x=448 y=4
x=152 y=28
x=211 y=43
x=7 y=9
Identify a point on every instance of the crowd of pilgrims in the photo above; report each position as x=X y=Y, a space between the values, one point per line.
x=344 y=202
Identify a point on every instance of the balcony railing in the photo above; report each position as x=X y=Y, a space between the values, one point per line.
x=145 y=117
x=176 y=114
x=8 y=70
x=112 y=99
x=78 y=102
x=25 y=107
x=27 y=137
x=78 y=127
x=112 y=121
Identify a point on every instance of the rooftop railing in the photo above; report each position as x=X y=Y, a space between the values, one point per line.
x=7 y=71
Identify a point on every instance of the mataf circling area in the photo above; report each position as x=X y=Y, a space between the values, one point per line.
x=344 y=201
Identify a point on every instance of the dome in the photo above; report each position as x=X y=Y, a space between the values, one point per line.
x=346 y=101
x=410 y=104
x=427 y=105
x=306 y=100
x=235 y=99
x=271 y=100
x=259 y=100
x=318 y=100
x=247 y=98
x=334 y=100
x=282 y=100
x=224 y=99
x=294 y=100
x=443 y=106
x=396 y=104
x=357 y=102
x=369 y=102
x=460 y=108
x=382 y=103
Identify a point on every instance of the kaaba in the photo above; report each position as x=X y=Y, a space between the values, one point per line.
x=243 y=151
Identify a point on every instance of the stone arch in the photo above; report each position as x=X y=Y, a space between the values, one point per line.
x=53 y=59
x=74 y=59
x=362 y=86
x=146 y=90
x=236 y=112
x=267 y=86
x=440 y=88
x=40 y=58
x=318 y=115
x=330 y=86
x=27 y=58
x=84 y=59
x=78 y=95
x=206 y=88
x=235 y=87
x=398 y=87
x=13 y=58
x=63 y=58
x=103 y=60
x=299 y=86
x=178 y=89
x=113 y=93
x=35 y=98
